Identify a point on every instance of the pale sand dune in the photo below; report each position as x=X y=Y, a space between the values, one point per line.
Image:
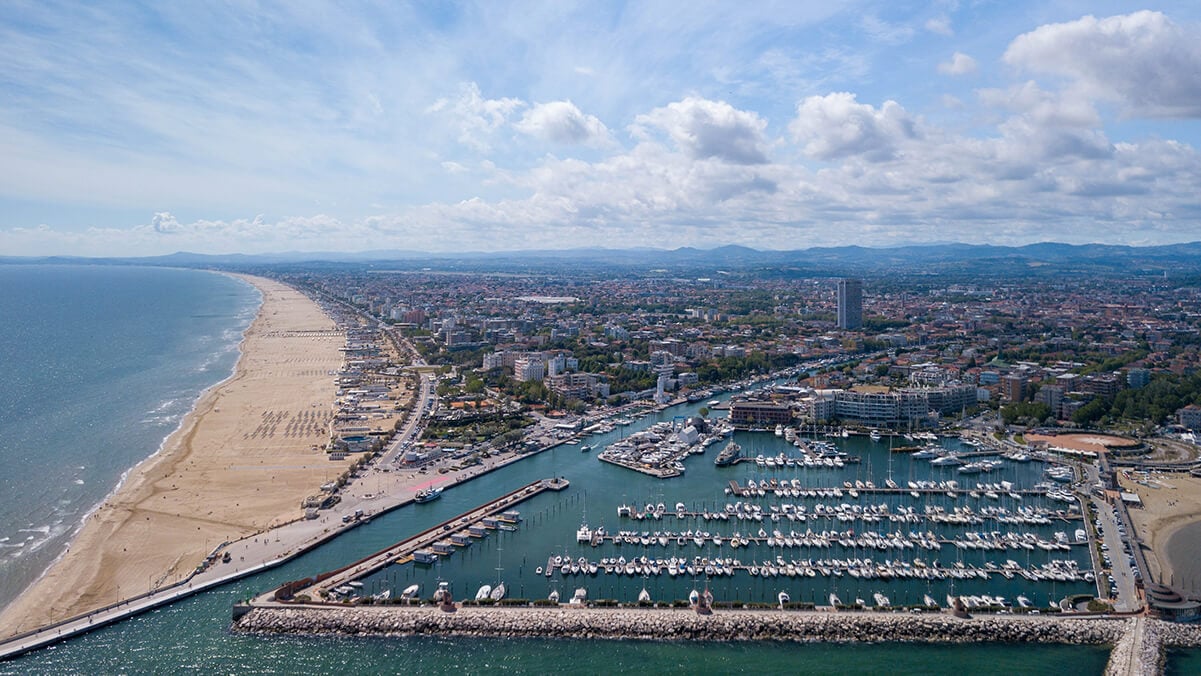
x=233 y=468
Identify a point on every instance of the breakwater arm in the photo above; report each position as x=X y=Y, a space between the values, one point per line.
x=677 y=624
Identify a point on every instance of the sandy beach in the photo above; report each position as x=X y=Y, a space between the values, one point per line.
x=1170 y=520
x=241 y=462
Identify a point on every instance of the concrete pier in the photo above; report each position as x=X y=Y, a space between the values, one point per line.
x=487 y=517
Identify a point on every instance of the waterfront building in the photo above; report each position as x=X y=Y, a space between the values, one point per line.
x=908 y=407
x=759 y=413
x=1170 y=605
x=577 y=385
x=850 y=303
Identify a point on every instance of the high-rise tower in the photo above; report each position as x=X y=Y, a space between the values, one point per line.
x=850 y=303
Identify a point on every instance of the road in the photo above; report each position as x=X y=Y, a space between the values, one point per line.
x=1127 y=594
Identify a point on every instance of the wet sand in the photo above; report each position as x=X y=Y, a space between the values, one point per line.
x=1170 y=523
x=241 y=462
x=1183 y=550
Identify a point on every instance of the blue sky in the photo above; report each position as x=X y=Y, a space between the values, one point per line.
x=131 y=129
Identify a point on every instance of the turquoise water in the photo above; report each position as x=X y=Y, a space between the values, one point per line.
x=551 y=520
x=97 y=366
x=1183 y=662
x=193 y=635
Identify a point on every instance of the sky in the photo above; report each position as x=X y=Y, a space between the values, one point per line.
x=255 y=127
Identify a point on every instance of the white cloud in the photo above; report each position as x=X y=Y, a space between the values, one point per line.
x=709 y=129
x=1044 y=108
x=1144 y=61
x=886 y=32
x=960 y=64
x=940 y=25
x=322 y=115
x=836 y=126
x=563 y=122
x=164 y=222
x=475 y=116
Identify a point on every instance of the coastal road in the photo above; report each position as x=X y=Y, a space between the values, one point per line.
x=413 y=424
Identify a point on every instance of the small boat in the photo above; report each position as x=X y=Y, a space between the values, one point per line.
x=428 y=495
x=881 y=600
x=410 y=592
x=874 y=435
x=693 y=597
x=585 y=448
x=443 y=593
x=834 y=600
x=930 y=602
x=483 y=593
x=644 y=596
x=579 y=596
x=783 y=597
x=553 y=597
x=498 y=592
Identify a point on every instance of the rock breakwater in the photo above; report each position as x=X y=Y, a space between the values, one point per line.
x=681 y=625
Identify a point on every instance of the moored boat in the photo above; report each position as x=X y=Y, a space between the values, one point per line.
x=428 y=494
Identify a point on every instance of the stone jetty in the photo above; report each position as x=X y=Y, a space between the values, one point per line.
x=676 y=625
x=1139 y=643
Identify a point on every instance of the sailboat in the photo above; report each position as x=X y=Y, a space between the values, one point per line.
x=498 y=592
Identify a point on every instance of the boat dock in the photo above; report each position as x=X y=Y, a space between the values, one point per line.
x=425 y=547
x=746 y=491
x=657 y=472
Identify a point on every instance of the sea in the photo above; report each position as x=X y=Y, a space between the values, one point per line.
x=100 y=364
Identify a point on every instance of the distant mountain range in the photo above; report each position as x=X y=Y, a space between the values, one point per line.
x=1046 y=258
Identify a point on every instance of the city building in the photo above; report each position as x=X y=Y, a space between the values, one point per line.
x=758 y=414
x=850 y=303
x=1190 y=417
x=1013 y=388
x=1138 y=377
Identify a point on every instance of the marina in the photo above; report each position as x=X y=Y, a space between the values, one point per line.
x=894 y=524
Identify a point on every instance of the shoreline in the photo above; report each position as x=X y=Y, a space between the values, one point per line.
x=158 y=549
x=1179 y=546
x=162 y=446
